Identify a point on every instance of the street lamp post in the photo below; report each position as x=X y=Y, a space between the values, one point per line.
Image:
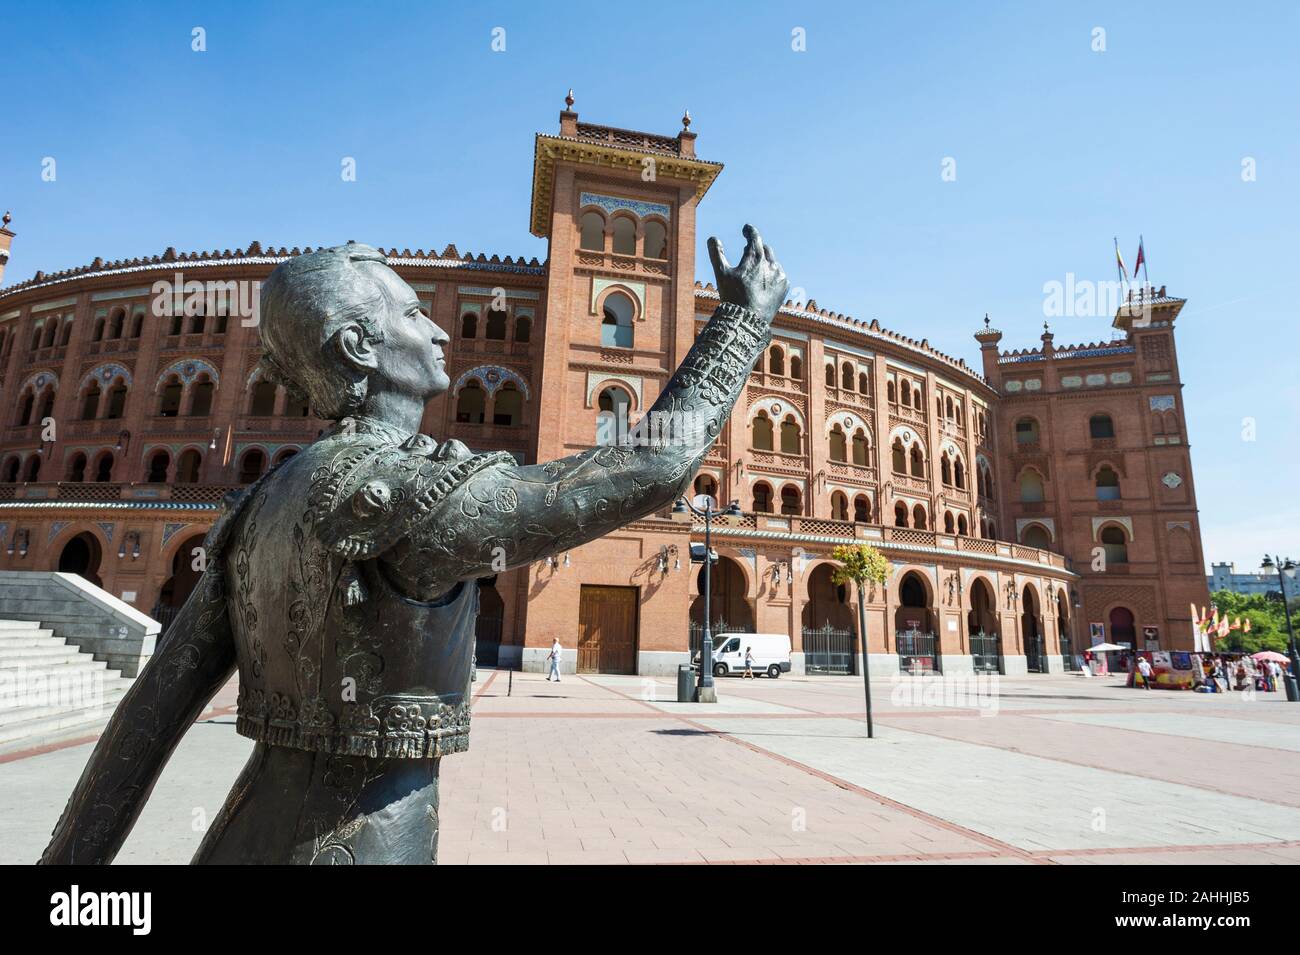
x=1285 y=570
x=705 y=692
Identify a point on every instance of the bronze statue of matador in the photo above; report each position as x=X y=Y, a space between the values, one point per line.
x=341 y=584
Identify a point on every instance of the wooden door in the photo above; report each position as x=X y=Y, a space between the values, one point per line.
x=607 y=629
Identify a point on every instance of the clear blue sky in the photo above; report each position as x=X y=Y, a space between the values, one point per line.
x=834 y=152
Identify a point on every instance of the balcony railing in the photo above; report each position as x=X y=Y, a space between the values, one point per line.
x=114 y=491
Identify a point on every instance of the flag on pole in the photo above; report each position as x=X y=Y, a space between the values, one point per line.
x=1141 y=260
x=1119 y=262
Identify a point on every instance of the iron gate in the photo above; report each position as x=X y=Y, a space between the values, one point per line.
x=696 y=631
x=828 y=650
x=986 y=652
x=918 y=653
x=1067 y=653
x=1035 y=655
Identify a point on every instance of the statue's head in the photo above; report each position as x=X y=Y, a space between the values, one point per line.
x=338 y=326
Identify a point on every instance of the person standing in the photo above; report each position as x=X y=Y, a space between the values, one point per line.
x=1144 y=668
x=749 y=663
x=556 y=654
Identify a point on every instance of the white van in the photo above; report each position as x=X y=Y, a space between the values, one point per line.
x=771 y=653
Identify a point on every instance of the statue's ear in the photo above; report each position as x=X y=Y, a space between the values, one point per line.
x=356 y=347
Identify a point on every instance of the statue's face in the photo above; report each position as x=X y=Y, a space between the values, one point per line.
x=410 y=356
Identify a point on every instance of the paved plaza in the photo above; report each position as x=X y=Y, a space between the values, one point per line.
x=606 y=769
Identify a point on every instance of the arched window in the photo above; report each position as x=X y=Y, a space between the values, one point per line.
x=624 y=236
x=37 y=331
x=470 y=403
x=1031 y=486
x=33 y=467
x=25 y=409
x=1027 y=431
x=762 y=498
x=861 y=509
x=860 y=448
x=469 y=325
x=1107 y=484
x=796 y=368
x=98 y=334
x=496 y=325
x=839 y=506
x=898 y=457
x=593 y=232
x=90 y=402
x=251 y=466
x=11 y=470
x=1101 y=426
x=104 y=468
x=51 y=331
x=1115 y=543
x=508 y=405
x=47 y=405
x=616 y=327
x=959 y=474
x=830 y=376
x=905 y=393
x=791 y=500
x=891 y=391
x=949 y=525
x=704 y=484
x=178 y=323
x=945 y=469
x=864 y=383
x=962 y=527
x=137 y=325
x=918 y=462
x=791 y=436
x=523 y=328
x=116 y=399
x=285 y=455
x=900 y=514
x=776 y=361
x=846 y=376
x=201 y=397
x=169 y=403
x=263 y=402
x=947 y=405
x=187 y=467
x=1035 y=535
x=762 y=428
x=918 y=517
x=656 y=240
x=612 y=419
x=77 y=468
x=158 y=463
x=839 y=446
x=1122 y=629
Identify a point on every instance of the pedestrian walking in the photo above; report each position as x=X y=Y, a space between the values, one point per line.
x=749 y=663
x=1144 y=669
x=556 y=654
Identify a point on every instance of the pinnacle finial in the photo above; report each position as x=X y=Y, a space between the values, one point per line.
x=568 y=100
x=686 y=119
x=7 y=218
x=986 y=319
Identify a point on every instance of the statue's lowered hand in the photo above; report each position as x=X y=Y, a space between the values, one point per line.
x=757 y=283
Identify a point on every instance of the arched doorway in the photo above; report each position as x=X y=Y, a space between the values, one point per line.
x=491 y=616
x=81 y=556
x=914 y=631
x=1122 y=627
x=829 y=625
x=1031 y=632
x=1063 y=635
x=728 y=606
x=982 y=625
x=177 y=588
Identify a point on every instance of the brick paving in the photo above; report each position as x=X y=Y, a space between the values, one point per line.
x=606 y=769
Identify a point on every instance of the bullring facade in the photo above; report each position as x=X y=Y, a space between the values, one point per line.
x=1021 y=505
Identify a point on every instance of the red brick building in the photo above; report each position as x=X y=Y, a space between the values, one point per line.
x=128 y=422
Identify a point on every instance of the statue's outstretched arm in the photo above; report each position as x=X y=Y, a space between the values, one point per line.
x=189 y=665
x=509 y=516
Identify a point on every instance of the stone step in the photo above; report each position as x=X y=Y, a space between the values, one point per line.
x=20 y=659
x=106 y=702
x=43 y=639
x=9 y=625
x=44 y=730
x=48 y=648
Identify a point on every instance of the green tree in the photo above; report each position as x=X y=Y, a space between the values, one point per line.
x=860 y=564
x=1267 y=622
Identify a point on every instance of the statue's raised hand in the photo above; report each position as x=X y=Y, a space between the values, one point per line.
x=758 y=282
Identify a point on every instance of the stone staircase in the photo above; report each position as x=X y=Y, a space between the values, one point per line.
x=50 y=689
